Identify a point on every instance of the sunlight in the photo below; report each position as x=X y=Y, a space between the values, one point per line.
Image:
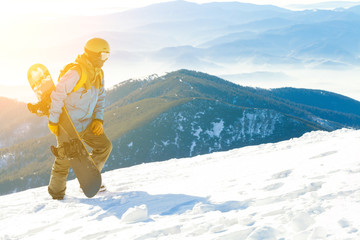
x=53 y=32
x=70 y=7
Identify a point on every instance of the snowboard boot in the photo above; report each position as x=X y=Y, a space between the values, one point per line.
x=102 y=188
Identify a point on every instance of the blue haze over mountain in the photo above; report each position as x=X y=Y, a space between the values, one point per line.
x=263 y=32
x=232 y=31
x=224 y=39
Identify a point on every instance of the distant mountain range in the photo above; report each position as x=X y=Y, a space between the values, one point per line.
x=181 y=114
x=213 y=36
x=192 y=36
x=325 y=5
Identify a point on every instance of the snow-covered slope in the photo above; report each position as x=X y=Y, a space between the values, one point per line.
x=305 y=188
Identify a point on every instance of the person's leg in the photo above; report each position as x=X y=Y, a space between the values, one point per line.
x=59 y=172
x=101 y=147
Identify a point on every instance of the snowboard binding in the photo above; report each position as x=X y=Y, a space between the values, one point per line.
x=40 y=109
x=70 y=150
x=42 y=84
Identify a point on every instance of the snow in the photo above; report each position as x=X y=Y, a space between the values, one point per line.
x=196 y=132
x=135 y=214
x=261 y=123
x=217 y=129
x=187 y=83
x=193 y=145
x=5 y=160
x=301 y=189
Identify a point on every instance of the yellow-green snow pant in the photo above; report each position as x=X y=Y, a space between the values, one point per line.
x=101 y=149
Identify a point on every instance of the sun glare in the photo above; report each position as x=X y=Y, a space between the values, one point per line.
x=50 y=32
x=70 y=7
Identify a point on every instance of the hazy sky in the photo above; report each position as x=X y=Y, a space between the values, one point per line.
x=22 y=29
x=89 y=7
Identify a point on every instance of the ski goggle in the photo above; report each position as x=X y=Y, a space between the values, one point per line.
x=104 y=56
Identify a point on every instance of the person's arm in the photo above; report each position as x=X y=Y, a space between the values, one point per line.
x=63 y=88
x=97 y=124
x=100 y=105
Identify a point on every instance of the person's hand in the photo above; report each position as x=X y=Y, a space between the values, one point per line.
x=54 y=128
x=97 y=127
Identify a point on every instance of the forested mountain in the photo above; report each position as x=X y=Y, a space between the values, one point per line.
x=17 y=124
x=181 y=114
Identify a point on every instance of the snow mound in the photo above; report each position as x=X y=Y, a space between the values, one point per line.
x=135 y=214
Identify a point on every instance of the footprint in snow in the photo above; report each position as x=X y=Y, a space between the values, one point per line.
x=344 y=223
x=283 y=174
x=273 y=187
x=325 y=154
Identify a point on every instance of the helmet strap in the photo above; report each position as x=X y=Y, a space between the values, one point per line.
x=94 y=58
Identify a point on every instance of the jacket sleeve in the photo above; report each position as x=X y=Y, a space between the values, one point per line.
x=100 y=105
x=63 y=88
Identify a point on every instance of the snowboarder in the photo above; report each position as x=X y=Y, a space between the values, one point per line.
x=85 y=105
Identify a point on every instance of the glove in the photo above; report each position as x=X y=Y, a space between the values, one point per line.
x=54 y=128
x=97 y=127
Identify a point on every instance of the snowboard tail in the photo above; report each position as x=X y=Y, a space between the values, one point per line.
x=81 y=161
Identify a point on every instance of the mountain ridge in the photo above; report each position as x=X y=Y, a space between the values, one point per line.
x=185 y=113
